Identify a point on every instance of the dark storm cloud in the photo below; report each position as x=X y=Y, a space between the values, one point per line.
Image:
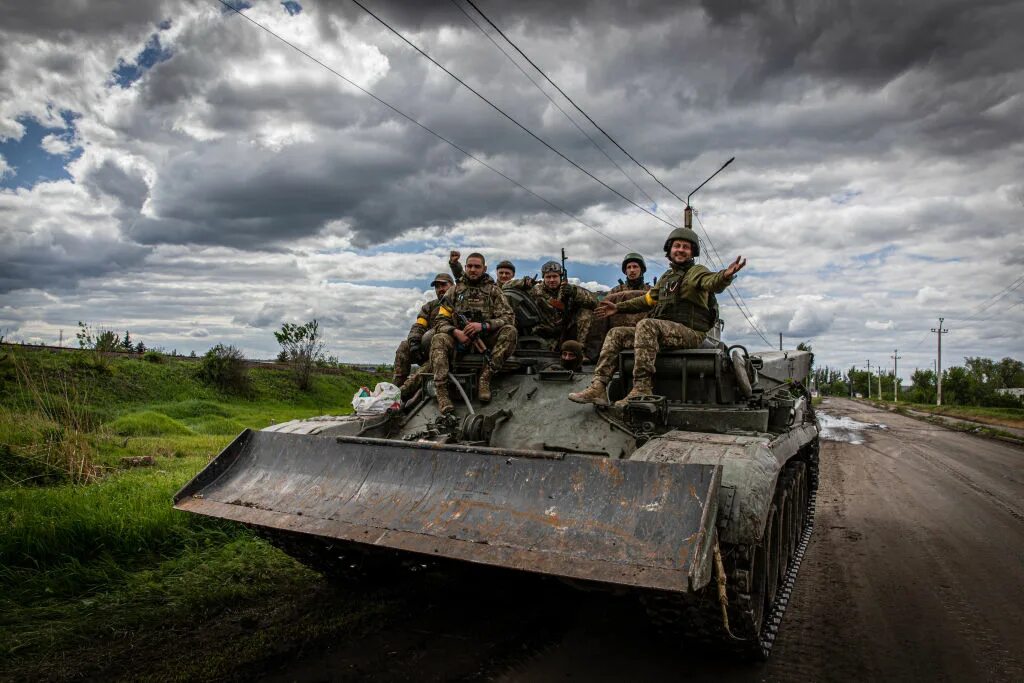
x=51 y=17
x=129 y=188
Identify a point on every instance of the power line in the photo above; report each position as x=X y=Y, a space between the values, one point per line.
x=508 y=116
x=553 y=102
x=989 y=302
x=711 y=244
x=421 y=125
x=442 y=138
x=572 y=102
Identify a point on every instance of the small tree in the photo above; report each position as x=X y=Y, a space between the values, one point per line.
x=140 y=348
x=224 y=367
x=126 y=342
x=303 y=348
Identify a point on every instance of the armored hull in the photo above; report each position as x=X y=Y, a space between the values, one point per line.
x=699 y=498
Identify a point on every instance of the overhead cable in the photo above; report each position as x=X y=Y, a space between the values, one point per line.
x=508 y=116
x=422 y=126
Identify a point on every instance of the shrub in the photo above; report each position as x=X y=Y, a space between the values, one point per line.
x=153 y=357
x=224 y=367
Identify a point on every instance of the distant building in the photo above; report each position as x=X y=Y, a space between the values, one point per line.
x=1016 y=392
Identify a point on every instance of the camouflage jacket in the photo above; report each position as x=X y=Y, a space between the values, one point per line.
x=456 y=269
x=630 y=285
x=552 y=305
x=424 y=321
x=684 y=294
x=480 y=301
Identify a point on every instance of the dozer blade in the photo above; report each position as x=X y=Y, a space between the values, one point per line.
x=584 y=517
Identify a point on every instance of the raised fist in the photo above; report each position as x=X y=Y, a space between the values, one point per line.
x=454 y=256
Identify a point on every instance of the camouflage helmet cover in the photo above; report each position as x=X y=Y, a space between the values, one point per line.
x=683 y=234
x=551 y=267
x=637 y=258
x=507 y=264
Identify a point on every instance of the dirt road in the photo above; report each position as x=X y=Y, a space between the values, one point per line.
x=915 y=572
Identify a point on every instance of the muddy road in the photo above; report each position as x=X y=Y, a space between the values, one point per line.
x=915 y=572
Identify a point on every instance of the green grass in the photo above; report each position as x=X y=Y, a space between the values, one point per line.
x=1003 y=417
x=97 y=570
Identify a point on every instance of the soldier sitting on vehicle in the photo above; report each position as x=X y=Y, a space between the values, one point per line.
x=474 y=309
x=415 y=348
x=679 y=318
x=505 y=271
x=568 y=309
x=633 y=267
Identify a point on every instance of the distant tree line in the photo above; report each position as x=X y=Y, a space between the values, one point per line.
x=975 y=383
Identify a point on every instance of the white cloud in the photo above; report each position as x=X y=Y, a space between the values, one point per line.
x=5 y=168
x=54 y=144
x=880 y=325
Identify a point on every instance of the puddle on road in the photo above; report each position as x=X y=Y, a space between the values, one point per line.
x=844 y=429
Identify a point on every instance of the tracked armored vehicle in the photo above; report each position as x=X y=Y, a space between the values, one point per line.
x=699 y=498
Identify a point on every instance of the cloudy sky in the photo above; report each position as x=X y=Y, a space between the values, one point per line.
x=170 y=168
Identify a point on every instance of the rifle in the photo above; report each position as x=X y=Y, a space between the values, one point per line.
x=567 y=300
x=477 y=342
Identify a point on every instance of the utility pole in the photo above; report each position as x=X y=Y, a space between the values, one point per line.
x=851 y=380
x=939 y=331
x=895 y=380
x=61 y=342
x=879 y=368
x=869 y=380
x=780 y=341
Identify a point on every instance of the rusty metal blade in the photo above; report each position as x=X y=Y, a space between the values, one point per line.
x=590 y=518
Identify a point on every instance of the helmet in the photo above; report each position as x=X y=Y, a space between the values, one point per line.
x=551 y=267
x=442 y=277
x=507 y=264
x=639 y=259
x=683 y=234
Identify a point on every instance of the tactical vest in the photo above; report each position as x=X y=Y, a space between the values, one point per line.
x=473 y=303
x=672 y=306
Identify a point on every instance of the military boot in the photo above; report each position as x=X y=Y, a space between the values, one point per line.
x=596 y=393
x=641 y=387
x=444 y=403
x=484 y=389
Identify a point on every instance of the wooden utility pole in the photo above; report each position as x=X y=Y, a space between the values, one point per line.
x=780 y=341
x=939 y=331
x=895 y=379
x=869 y=379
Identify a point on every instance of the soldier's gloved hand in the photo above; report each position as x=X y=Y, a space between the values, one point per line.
x=414 y=346
x=454 y=256
x=564 y=291
x=528 y=282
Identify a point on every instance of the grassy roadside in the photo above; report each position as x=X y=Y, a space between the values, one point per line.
x=99 y=576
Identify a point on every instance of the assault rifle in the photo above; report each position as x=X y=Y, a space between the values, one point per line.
x=476 y=342
x=567 y=301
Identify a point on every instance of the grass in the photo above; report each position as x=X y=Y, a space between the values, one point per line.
x=1000 y=417
x=97 y=571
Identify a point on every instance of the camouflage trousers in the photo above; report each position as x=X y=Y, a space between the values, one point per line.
x=648 y=337
x=552 y=334
x=501 y=343
x=404 y=356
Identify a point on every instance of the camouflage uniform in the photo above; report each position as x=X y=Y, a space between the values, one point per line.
x=679 y=318
x=480 y=301
x=411 y=349
x=552 y=306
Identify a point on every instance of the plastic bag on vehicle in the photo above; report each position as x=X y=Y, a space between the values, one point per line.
x=384 y=397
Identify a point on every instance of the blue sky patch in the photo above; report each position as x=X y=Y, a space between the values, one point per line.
x=30 y=162
x=291 y=7
x=126 y=73
x=236 y=6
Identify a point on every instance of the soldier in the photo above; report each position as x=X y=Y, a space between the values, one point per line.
x=505 y=271
x=556 y=299
x=679 y=318
x=473 y=309
x=416 y=346
x=633 y=267
x=572 y=355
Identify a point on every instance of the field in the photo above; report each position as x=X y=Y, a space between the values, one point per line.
x=997 y=417
x=99 y=575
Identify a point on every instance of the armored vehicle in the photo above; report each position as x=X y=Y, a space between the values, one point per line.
x=698 y=498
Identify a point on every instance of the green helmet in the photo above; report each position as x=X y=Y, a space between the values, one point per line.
x=551 y=267
x=637 y=258
x=683 y=234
